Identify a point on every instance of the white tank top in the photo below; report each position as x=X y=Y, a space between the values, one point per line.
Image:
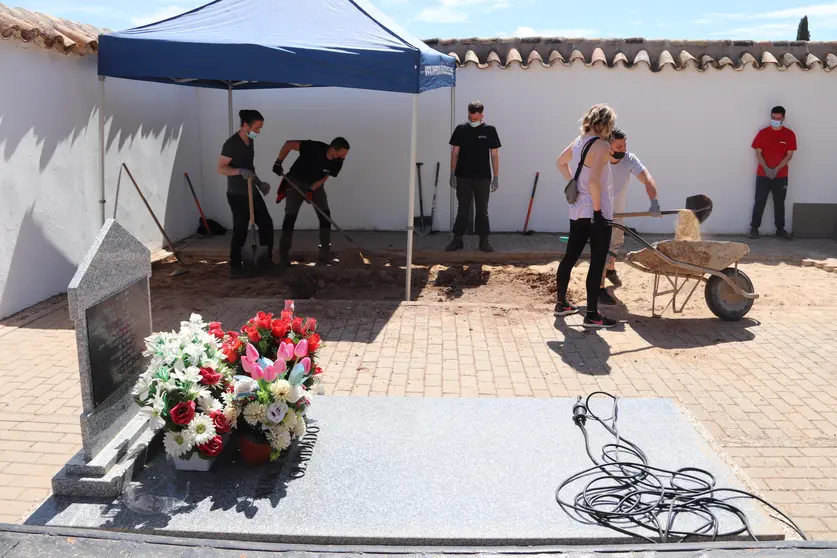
x=583 y=206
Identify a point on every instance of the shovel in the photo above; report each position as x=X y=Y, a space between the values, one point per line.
x=699 y=204
x=253 y=256
x=421 y=224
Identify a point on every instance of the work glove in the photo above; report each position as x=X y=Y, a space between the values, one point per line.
x=771 y=173
x=495 y=183
x=246 y=173
x=453 y=181
x=599 y=220
x=277 y=168
x=655 y=208
x=264 y=187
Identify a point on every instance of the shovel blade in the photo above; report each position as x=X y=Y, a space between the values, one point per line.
x=700 y=205
x=253 y=256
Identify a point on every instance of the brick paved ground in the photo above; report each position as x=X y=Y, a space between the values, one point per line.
x=764 y=388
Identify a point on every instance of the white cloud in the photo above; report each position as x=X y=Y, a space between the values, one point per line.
x=458 y=11
x=161 y=14
x=566 y=32
x=760 y=32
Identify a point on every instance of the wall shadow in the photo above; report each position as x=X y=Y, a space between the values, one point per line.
x=34 y=256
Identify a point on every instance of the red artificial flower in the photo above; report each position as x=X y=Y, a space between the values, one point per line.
x=214 y=325
x=262 y=320
x=297 y=326
x=222 y=425
x=212 y=448
x=233 y=334
x=286 y=315
x=280 y=328
x=311 y=325
x=253 y=334
x=289 y=340
x=232 y=356
x=209 y=377
x=317 y=370
x=313 y=342
x=183 y=413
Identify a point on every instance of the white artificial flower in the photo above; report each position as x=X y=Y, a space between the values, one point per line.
x=245 y=385
x=209 y=404
x=280 y=389
x=198 y=391
x=170 y=384
x=254 y=413
x=279 y=438
x=231 y=413
x=289 y=421
x=300 y=428
x=276 y=411
x=142 y=386
x=227 y=398
x=178 y=443
x=158 y=406
x=202 y=428
x=191 y=374
x=296 y=394
x=194 y=353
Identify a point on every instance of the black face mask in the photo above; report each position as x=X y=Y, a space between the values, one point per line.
x=618 y=155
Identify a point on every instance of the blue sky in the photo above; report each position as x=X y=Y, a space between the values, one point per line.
x=652 y=19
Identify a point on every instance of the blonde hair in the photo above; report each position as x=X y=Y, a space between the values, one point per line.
x=600 y=120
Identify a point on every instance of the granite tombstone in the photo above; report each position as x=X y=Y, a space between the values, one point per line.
x=110 y=306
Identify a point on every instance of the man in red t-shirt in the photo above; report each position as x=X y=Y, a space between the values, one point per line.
x=774 y=147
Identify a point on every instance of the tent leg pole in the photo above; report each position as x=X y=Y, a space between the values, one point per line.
x=102 y=148
x=412 y=197
x=229 y=105
x=452 y=127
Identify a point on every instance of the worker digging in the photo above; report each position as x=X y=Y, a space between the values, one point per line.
x=237 y=164
x=316 y=162
x=623 y=164
x=475 y=153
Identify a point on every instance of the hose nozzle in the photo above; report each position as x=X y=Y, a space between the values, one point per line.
x=579 y=412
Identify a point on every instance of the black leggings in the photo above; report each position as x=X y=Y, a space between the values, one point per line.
x=240 y=207
x=582 y=230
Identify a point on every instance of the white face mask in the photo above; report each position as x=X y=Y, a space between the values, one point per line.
x=474 y=124
x=776 y=124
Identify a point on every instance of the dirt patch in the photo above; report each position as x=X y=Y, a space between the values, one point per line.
x=688 y=226
x=779 y=285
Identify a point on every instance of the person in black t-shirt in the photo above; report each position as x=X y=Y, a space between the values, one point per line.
x=316 y=162
x=236 y=163
x=474 y=154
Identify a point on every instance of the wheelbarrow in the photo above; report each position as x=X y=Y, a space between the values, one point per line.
x=728 y=291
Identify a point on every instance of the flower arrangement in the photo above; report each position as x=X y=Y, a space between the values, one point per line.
x=187 y=390
x=277 y=358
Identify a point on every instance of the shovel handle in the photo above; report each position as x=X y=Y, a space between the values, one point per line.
x=646 y=213
x=250 y=200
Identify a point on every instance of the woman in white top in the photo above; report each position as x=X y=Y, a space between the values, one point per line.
x=590 y=214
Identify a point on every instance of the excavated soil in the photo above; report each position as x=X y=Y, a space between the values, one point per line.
x=779 y=285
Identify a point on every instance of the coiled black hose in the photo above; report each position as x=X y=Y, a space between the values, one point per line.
x=626 y=494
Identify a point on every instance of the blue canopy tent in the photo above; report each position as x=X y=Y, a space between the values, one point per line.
x=259 y=44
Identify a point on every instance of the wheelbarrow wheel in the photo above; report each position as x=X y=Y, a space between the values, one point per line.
x=724 y=301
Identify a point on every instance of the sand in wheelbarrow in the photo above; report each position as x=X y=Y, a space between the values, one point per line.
x=688 y=226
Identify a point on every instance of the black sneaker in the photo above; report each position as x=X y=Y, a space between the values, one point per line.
x=564 y=308
x=605 y=298
x=783 y=234
x=754 y=233
x=455 y=244
x=485 y=246
x=597 y=321
x=613 y=277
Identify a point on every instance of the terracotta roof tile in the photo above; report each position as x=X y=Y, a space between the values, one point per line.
x=656 y=55
x=52 y=33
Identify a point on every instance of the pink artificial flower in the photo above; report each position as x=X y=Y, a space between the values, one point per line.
x=286 y=351
x=274 y=370
x=251 y=355
x=310 y=325
x=301 y=349
x=306 y=364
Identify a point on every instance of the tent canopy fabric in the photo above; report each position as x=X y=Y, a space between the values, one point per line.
x=278 y=43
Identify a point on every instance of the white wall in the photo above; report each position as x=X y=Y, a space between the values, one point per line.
x=49 y=212
x=692 y=130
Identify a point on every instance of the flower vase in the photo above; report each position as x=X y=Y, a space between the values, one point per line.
x=197 y=462
x=254 y=452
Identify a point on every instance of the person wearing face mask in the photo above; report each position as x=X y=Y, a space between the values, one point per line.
x=236 y=163
x=775 y=146
x=474 y=154
x=622 y=166
x=316 y=162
